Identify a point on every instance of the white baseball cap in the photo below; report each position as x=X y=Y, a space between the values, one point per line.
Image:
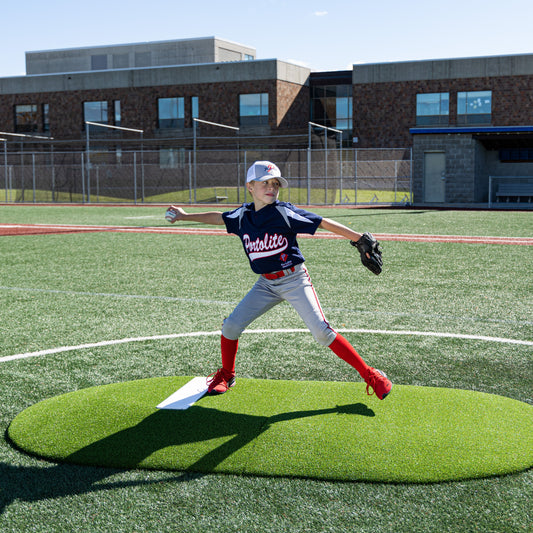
x=263 y=171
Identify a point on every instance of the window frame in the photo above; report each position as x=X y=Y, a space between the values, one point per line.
x=441 y=117
x=171 y=113
x=117 y=112
x=45 y=109
x=466 y=107
x=26 y=118
x=195 y=107
x=332 y=107
x=102 y=111
x=255 y=112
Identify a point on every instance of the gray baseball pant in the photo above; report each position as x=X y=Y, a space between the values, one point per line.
x=297 y=289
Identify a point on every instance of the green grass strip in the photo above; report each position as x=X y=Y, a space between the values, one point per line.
x=311 y=429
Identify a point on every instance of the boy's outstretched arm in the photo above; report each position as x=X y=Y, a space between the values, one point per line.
x=207 y=217
x=339 y=229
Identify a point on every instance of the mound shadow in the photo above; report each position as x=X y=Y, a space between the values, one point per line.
x=165 y=428
x=87 y=469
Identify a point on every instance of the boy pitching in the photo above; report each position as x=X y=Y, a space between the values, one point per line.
x=268 y=230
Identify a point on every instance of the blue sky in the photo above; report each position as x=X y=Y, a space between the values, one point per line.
x=320 y=34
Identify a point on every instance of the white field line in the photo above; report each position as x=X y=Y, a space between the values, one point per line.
x=113 y=342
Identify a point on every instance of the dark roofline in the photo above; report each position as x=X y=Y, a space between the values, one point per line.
x=331 y=77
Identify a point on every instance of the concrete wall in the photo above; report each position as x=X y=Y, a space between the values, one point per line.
x=137 y=55
x=268 y=69
x=444 y=69
x=462 y=184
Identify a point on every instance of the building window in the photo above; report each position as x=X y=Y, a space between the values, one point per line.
x=248 y=57
x=343 y=116
x=432 y=109
x=26 y=118
x=118 y=116
x=194 y=107
x=171 y=112
x=99 y=62
x=95 y=112
x=332 y=106
x=253 y=109
x=474 y=107
x=46 y=118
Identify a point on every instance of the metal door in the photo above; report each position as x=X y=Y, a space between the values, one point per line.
x=434 y=177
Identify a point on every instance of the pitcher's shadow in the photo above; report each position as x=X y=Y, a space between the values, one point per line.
x=166 y=428
x=159 y=430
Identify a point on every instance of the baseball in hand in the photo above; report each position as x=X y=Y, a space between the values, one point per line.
x=170 y=215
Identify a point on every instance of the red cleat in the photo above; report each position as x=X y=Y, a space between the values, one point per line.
x=378 y=381
x=220 y=381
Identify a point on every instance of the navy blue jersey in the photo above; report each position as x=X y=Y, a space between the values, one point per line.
x=269 y=235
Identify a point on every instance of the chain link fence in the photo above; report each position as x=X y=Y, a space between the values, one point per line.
x=315 y=176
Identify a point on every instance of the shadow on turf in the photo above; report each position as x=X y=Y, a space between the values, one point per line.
x=166 y=428
x=32 y=484
x=129 y=447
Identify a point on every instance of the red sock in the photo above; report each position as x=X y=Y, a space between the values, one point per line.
x=228 y=348
x=342 y=348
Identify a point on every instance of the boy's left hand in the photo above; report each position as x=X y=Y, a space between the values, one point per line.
x=370 y=252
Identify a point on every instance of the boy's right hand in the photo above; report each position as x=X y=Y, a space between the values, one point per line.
x=174 y=213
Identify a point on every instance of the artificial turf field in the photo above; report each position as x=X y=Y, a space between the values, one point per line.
x=78 y=288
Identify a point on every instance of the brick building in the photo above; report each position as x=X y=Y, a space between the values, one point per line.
x=466 y=120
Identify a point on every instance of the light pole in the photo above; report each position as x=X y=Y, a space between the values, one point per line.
x=22 y=136
x=310 y=125
x=87 y=158
x=194 y=121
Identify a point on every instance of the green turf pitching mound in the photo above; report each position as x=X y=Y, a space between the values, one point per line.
x=324 y=430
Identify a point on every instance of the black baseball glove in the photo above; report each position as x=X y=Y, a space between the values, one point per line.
x=370 y=252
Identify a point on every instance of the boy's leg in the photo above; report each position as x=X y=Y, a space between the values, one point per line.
x=254 y=304
x=304 y=299
x=343 y=349
x=257 y=302
x=228 y=348
x=374 y=378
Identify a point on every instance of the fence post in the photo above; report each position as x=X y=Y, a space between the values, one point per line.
x=245 y=167
x=135 y=178
x=355 y=174
x=11 y=184
x=53 y=176
x=82 y=178
x=97 y=184
x=395 y=179
x=5 y=164
x=340 y=170
x=142 y=170
x=88 y=182
x=308 y=176
x=33 y=176
x=190 y=177
x=411 y=175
